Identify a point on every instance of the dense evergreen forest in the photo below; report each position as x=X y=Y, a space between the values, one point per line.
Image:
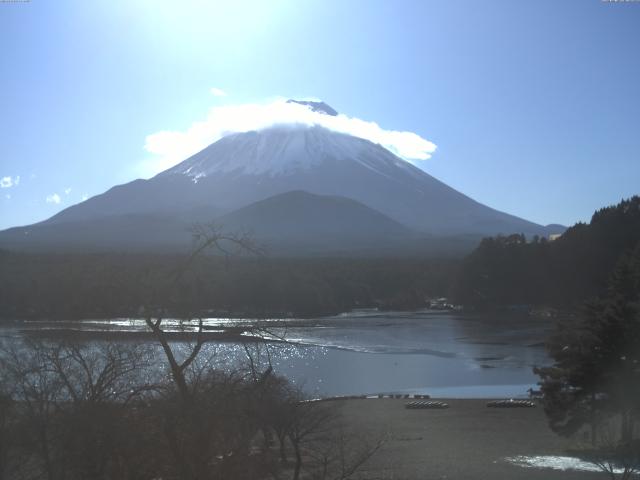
x=502 y=271
x=71 y=286
x=512 y=270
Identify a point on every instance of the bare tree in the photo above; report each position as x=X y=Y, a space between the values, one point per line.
x=206 y=237
x=72 y=408
x=323 y=447
x=211 y=420
x=6 y=411
x=341 y=454
x=39 y=394
x=617 y=459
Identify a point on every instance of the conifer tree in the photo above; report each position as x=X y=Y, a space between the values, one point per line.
x=595 y=377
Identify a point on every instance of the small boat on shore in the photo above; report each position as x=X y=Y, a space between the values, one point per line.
x=511 y=403
x=426 y=405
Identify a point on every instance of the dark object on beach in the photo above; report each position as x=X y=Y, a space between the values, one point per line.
x=511 y=403
x=424 y=405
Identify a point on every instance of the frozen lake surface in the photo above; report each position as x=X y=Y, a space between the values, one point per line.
x=444 y=354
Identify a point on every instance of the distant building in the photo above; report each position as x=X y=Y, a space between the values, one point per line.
x=554 y=236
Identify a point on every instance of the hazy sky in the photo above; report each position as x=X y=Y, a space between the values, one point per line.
x=534 y=105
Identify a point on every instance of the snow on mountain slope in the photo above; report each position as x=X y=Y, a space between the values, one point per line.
x=284 y=151
x=244 y=168
x=247 y=167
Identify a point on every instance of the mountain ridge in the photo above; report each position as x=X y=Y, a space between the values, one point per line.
x=295 y=223
x=352 y=167
x=244 y=168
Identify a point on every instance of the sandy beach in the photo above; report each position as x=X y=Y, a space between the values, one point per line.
x=466 y=441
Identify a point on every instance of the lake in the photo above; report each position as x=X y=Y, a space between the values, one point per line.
x=444 y=354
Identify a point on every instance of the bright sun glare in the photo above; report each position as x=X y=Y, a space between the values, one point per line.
x=208 y=25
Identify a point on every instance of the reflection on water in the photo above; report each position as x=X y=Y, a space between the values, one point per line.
x=442 y=354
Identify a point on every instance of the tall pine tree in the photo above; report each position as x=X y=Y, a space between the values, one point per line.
x=595 y=377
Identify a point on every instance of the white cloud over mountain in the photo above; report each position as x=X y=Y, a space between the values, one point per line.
x=171 y=147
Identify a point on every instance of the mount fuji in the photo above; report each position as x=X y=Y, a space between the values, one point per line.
x=298 y=188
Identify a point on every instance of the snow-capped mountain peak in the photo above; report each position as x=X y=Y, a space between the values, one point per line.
x=285 y=150
x=307 y=180
x=316 y=106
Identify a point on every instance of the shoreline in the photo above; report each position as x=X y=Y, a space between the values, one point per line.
x=424 y=396
x=534 y=313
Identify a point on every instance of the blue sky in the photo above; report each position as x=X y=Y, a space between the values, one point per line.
x=533 y=105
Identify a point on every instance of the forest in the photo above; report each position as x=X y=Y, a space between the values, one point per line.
x=503 y=271
x=73 y=286
x=513 y=270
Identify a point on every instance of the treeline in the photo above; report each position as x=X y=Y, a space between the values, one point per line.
x=512 y=270
x=503 y=270
x=71 y=286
